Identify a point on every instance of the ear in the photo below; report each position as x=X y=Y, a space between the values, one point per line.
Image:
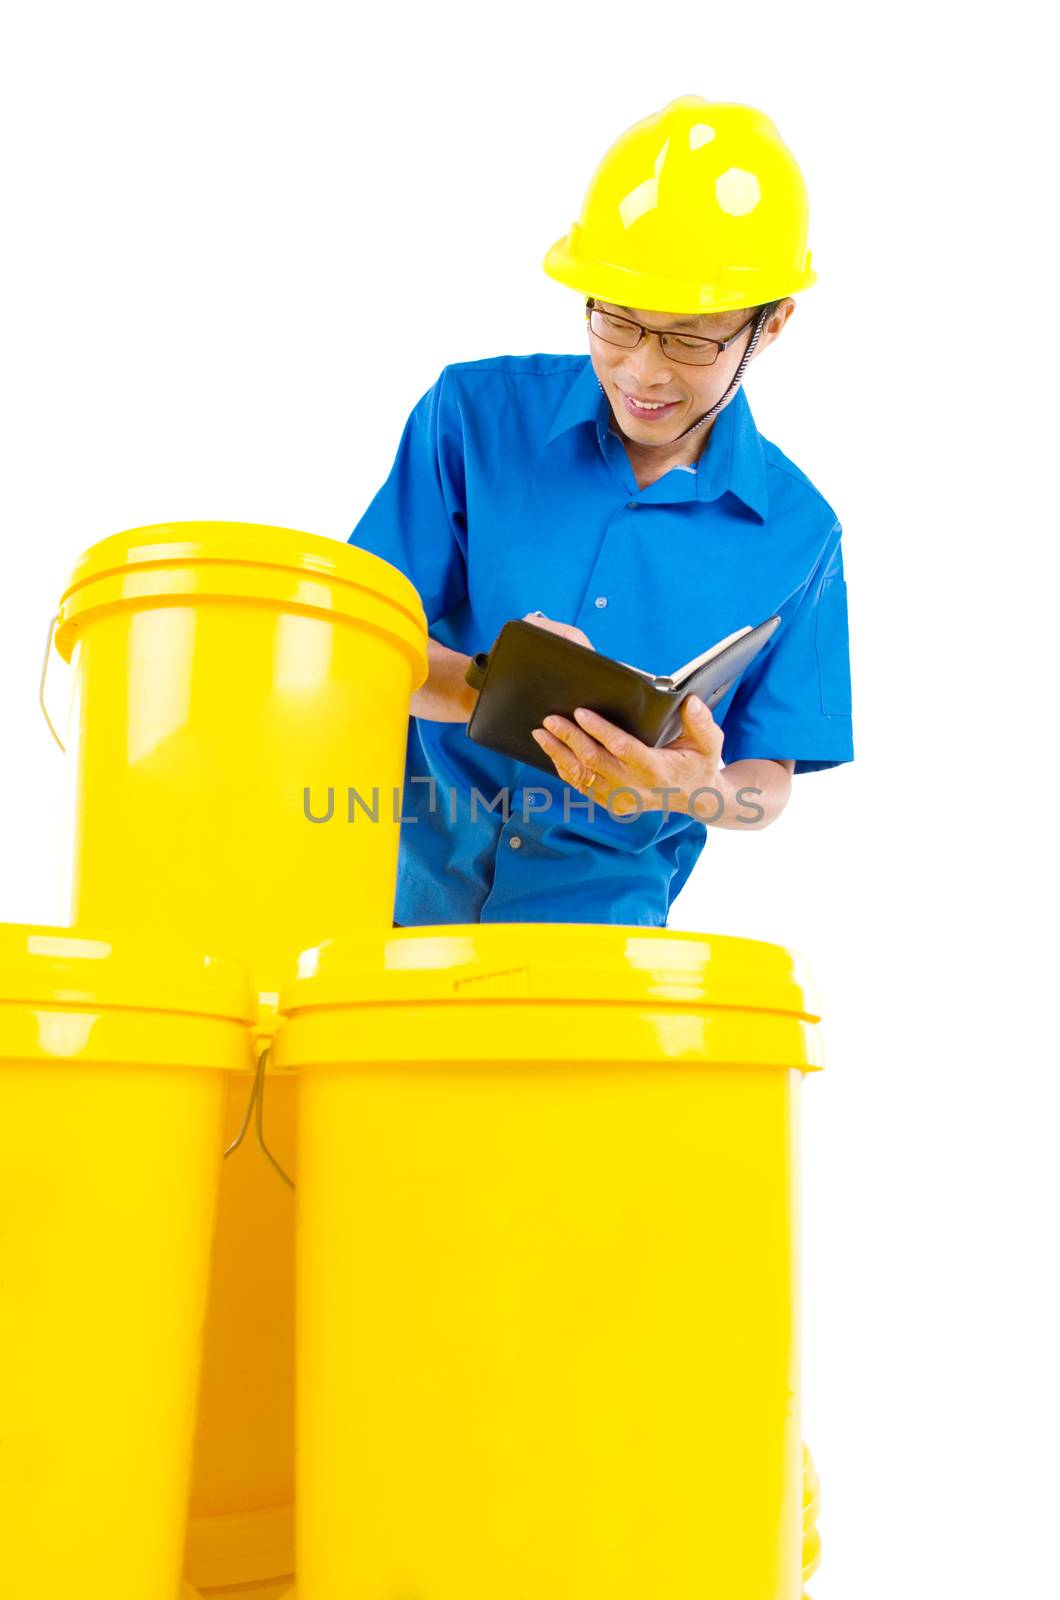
x=780 y=314
x=774 y=325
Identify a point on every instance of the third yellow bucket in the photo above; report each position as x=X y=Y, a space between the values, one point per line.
x=547 y=1279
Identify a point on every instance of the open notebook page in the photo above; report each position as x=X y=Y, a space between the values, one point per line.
x=689 y=667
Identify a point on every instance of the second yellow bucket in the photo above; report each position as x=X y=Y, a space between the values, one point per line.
x=547 y=1264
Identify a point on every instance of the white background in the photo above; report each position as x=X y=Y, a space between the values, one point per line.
x=242 y=241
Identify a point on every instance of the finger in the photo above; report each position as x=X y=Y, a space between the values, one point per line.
x=565 y=762
x=592 y=755
x=560 y=629
x=565 y=630
x=631 y=756
x=701 y=727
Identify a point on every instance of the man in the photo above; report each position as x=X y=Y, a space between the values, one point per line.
x=627 y=500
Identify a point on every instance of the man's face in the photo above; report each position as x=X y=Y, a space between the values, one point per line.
x=647 y=373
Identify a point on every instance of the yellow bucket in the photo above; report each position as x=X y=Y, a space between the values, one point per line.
x=230 y=682
x=114 y=1056
x=547 y=1264
x=227 y=678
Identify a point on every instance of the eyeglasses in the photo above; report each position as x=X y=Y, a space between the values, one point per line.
x=688 y=349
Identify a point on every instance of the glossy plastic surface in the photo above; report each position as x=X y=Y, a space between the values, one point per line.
x=582 y=962
x=66 y=966
x=224 y=678
x=699 y=207
x=548 y=1270
x=250 y=559
x=110 y=1155
x=230 y=683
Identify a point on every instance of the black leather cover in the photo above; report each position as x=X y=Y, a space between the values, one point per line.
x=531 y=673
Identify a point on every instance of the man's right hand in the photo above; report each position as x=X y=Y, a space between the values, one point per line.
x=567 y=630
x=447 y=696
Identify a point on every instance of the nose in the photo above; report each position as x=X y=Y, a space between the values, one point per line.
x=648 y=365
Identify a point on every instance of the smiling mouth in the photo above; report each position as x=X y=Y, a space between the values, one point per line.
x=647 y=408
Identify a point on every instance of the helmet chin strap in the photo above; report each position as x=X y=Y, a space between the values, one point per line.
x=735 y=384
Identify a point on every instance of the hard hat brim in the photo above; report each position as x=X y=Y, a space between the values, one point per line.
x=730 y=288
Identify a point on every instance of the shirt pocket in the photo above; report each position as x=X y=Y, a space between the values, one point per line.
x=833 y=648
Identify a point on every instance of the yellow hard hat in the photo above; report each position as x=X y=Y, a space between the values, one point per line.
x=700 y=207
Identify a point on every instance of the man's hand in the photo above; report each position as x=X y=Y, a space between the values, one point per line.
x=566 y=629
x=591 y=745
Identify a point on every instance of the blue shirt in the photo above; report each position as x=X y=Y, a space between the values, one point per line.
x=510 y=493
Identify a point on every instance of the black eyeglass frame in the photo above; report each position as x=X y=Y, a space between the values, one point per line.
x=662 y=334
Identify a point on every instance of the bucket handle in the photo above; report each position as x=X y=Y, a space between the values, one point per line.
x=257 y=1094
x=43 y=676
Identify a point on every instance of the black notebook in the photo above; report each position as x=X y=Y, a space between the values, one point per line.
x=532 y=673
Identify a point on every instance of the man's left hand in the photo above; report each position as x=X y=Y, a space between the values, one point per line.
x=591 y=745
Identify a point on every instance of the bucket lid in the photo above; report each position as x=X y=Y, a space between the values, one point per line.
x=41 y=964
x=552 y=961
x=166 y=543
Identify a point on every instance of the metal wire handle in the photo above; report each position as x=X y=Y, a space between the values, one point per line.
x=257 y=1095
x=43 y=675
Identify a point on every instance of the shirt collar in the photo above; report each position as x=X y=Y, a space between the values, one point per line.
x=733 y=460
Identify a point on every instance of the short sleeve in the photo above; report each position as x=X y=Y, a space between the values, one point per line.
x=418 y=519
x=794 y=701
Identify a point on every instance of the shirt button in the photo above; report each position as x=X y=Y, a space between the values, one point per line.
x=633 y=504
x=515 y=841
x=600 y=601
